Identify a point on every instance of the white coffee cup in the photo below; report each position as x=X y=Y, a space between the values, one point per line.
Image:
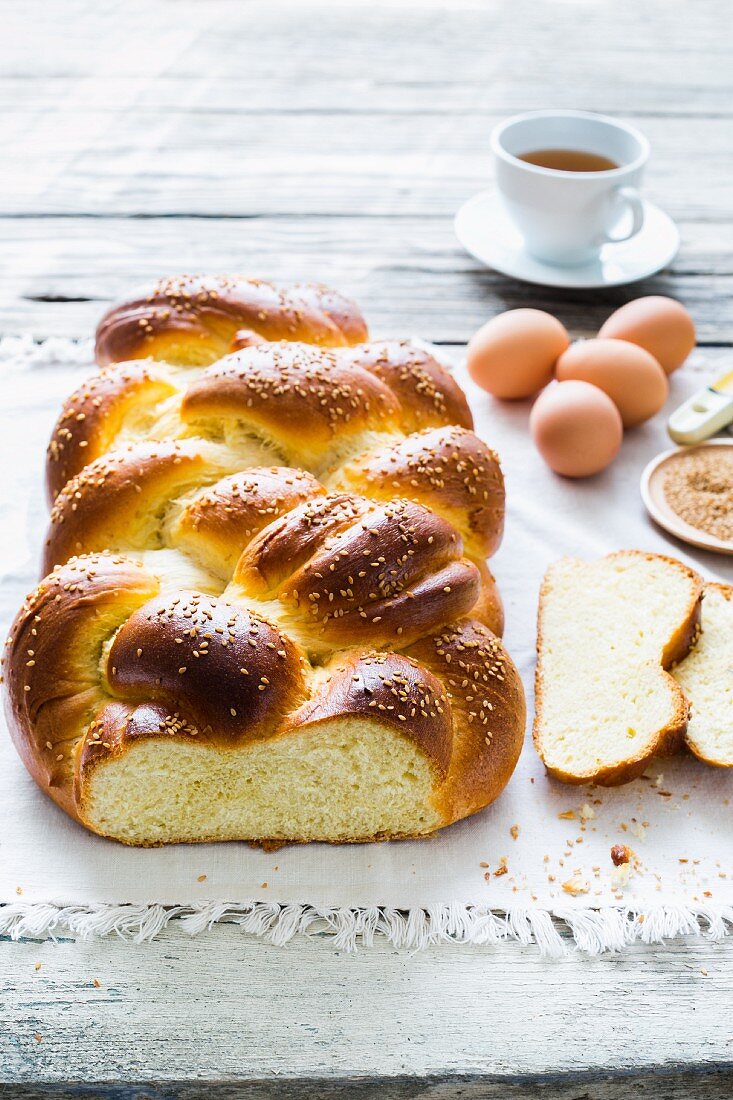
x=566 y=217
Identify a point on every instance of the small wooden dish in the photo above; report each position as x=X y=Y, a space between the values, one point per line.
x=652 y=493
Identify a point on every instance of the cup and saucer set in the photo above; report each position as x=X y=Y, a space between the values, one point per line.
x=567 y=209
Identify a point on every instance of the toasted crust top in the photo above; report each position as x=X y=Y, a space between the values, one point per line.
x=349 y=570
x=451 y=470
x=426 y=391
x=230 y=671
x=199 y=318
x=93 y=415
x=302 y=396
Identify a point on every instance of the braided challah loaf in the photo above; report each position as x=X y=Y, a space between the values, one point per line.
x=266 y=614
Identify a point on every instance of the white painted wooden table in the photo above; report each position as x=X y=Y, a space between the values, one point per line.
x=335 y=141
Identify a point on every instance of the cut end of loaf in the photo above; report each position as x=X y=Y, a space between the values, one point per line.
x=607 y=632
x=706 y=677
x=344 y=780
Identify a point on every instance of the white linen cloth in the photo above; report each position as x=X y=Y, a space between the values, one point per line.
x=678 y=821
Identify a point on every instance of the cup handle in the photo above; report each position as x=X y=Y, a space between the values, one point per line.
x=634 y=201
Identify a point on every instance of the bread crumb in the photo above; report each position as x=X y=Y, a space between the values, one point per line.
x=37 y=1036
x=567 y=815
x=502 y=868
x=587 y=813
x=201 y=878
x=576 y=885
x=37 y=967
x=620 y=854
x=96 y=983
x=514 y=832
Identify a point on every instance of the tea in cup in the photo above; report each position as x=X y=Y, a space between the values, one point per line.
x=569 y=181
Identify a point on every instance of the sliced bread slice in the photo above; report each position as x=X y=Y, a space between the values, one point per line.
x=706 y=677
x=607 y=631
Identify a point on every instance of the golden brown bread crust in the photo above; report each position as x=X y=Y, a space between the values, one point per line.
x=671 y=737
x=110 y=503
x=94 y=414
x=428 y=395
x=302 y=397
x=330 y=604
x=233 y=674
x=391 y=689
x=195 y=319
x=117 y=726
x=489 y=712
x=285 y=393
x=289 y=541
x=222 y=520
x=291 y=401
x=450 y=470
x=349 y=571
x=51 y=661
x=489 y=608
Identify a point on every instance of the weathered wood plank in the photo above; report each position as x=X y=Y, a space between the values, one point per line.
x=465 y=54
x=239 y=165
x=223 y=1006
x=409 y=274
x=715 y=1085
x=208 y=114
x=704 y=90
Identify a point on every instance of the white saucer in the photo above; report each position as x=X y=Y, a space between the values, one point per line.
x=484 y=230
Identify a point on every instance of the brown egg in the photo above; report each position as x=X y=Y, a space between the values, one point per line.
x=661 y=326
x=514 y=354
x=576 y=428
x=631 y=377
